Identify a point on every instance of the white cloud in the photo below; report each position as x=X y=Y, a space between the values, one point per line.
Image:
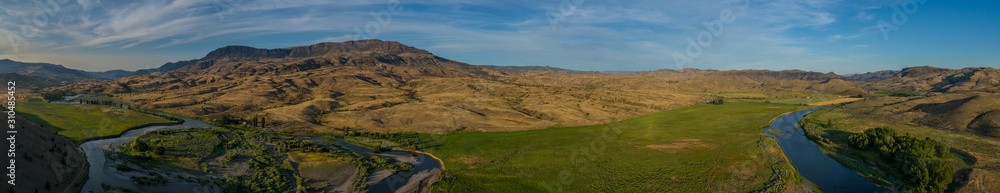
x=864 y=16
x=635 y=35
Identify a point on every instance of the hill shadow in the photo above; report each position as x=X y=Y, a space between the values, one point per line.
x=40 y=122
x=837 y=135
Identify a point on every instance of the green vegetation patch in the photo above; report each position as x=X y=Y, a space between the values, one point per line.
x=699 y=148
x=182 y=148
x=81 y=121
x=832 y=129
x=263 y=167
x=321 y=169
x=922 y=161
x=247 y=160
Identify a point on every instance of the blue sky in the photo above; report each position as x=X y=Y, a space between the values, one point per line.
x=815 y=35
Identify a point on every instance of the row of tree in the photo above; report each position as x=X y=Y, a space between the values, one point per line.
x=51 y=96
x=252 y=122
x=303 y=146
x=404 y=142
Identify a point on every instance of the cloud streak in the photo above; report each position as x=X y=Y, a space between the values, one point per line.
x=597 y=35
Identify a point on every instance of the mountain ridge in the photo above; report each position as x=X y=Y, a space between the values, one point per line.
x=932 y=79
x=43 y=69
x=316 y=50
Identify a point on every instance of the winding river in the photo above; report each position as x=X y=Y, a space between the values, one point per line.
x=425 y=169
x=812 y=163
x=98 y=174
x=424 y=172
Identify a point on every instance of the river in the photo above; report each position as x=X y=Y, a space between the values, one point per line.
x=98 y=174
x=425 y=170
x=812 y=163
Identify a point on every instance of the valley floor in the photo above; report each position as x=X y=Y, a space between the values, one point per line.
x=699 y=148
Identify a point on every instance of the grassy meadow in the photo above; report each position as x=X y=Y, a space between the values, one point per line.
x=699 y=148
x=793 y=98
x=81 y=121
x=976 y=158
x=792 y=101
x=321 y=169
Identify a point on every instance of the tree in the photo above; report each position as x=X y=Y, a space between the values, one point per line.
x=159 y=150
x=139 y=145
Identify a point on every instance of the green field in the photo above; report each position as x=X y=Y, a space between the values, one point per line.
x=184 y=148
x=767 y=95
x=81 y=121
x=699 y=148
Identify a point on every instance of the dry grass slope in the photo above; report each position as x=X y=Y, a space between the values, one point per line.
x=46 y=162
x=388 y=88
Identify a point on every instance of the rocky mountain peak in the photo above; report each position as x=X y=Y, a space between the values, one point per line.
x=920 y=71
x=316 y=50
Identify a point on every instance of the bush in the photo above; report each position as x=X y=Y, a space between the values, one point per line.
x=123 y=167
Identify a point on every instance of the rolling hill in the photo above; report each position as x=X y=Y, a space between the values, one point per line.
x=756 y=81
x=384 y=86
x=35 y=82
x=47 y=70
x=873 y=76
x=115 y=74
x=48 y=75
x=964 y=100
x=46 y=162
x=933 y=79
x=538 y=68
x=971 y=111
x=387 y=86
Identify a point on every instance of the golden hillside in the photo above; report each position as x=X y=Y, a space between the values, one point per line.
x=973 y=112
x=933 y=79
x=383 y=86
x=387 y=86
x=762 y=81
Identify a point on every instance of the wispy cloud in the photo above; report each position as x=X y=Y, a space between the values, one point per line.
x=864 y=16
x=596 y=35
